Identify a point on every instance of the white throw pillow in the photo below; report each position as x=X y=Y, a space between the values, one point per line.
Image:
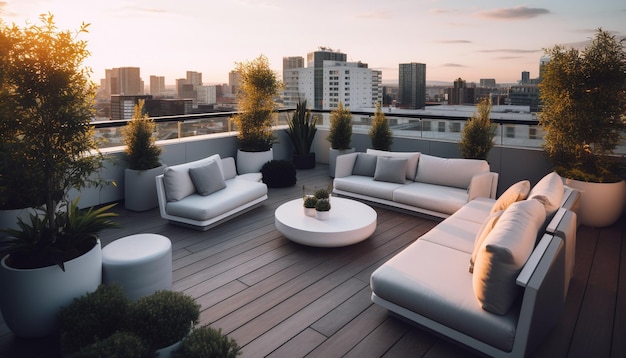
x=390 y=170
x=549 y=191
x=485 y=229
x=504 y=252
x=516 y=192
x=452 y=172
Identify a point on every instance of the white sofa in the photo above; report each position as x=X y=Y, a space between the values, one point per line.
x=522 y=252
x=413 y=181
x=206 y=192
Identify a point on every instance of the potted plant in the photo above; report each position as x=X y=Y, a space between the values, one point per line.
x=206 y=341
x=119 y=344
x=46 y=102
x=258 y=87
x=309 y=202
x=163 y=319
x=302 y=131
x=339 y=136
x=583 y=118
x=142 y=155
x=322 y=209
x=477 y=135
x=279 y=174
x=380 y=133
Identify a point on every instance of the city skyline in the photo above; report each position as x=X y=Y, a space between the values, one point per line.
x=484 y=39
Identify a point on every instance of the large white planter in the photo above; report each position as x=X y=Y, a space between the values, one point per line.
x=31 y=299
x=140 y=188
x=601 y=204
x=332 y=158
x=252 y=162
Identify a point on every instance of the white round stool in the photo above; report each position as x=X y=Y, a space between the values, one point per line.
x=141 y=264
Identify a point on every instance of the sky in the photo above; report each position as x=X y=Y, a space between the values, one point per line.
x=454 y=38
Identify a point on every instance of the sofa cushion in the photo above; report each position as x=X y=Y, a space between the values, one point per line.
x=207 y=179
x=455 y=233
x=366 y=186
x=516 y=192
x=476 y=210
x=548 y=191
x=438 y=198
x=177 y=181
x=485 y=229
x=450 y=172
x=391 y=170
x=411 y=157
x=504 y=252
x=365 y=165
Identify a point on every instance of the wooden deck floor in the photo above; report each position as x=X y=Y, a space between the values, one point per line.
x=282 y=299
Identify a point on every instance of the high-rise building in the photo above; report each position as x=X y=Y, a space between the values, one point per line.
x=157 y=85
x=234 y=78
x=291 y=77
x=125 y=81
x=488 y=82
x=412 y=85
x=461 y=93
x=123 y=106
x=194 y=78
x=525 y=78
x=316 y=60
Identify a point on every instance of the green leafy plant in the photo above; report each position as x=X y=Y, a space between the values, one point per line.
x=583 y=95
x=322 y=205
x=380 y=133
x=279 y=174
x=321 y=194
x=208 y=342
x=40 y=244
x=162 y=318
x=309 y=201
x=301 y=129
x=259 y=84
x=92 y=317
x=478 y=134
x=340 y=132
x=119 y=344
x=141 y=151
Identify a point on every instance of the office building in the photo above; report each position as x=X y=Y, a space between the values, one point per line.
x=412 y=85
x=124 y=81
x=157 y=85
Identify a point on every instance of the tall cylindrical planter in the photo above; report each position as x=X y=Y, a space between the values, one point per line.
x=31 y=299
x=332 y=158
x=601 y=204
x=140 y=188
x=252 y=162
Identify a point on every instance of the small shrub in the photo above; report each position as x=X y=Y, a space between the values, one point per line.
x=142 y=152
x=321 y=194
x=92 y=317
x=380 y=133
x=477 y=136
x=119 y=344
x=207 y=342
x=322 y=205
x=279 y=174
x=162 y=318
x=310 y=201
x=340 y=132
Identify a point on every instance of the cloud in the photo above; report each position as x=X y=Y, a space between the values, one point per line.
x=453 y=41
x=453 y=65
x=443 y=11
x=520 y=12
x=381 y=15
x=146 y=9
x=510 y=50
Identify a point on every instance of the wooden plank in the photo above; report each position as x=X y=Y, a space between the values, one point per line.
x=298 y=346
x=415 y=343
x=379 y=340
x=345 y=312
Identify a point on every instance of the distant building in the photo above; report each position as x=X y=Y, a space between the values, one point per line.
x=488 y=83
x=168 y=107
x=157 y=85
x=291 y=78
x=194 y=78
x=123 y=81
x=525 y=95
x=234 y=79
x=123 y=107
x=525 y=78
x=461 y=93
x=412 y=85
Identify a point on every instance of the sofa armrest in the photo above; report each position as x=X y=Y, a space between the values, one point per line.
x=345 y=164
x=483 y=185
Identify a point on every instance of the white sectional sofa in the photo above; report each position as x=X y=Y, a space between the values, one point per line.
x=521 y=249
x=413 y=181
x=206 y=192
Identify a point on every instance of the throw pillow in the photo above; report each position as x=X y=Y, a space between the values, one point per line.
x=549 y=191
x=207 y=179
x=177 y=183
x=503 y=253
x=411 y=157
x=516 y=192
x=365 y=165
x=485 y=229
x=390 y=170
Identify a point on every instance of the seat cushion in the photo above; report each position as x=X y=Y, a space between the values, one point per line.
x=516 y=192
x=366 y=186
x=439 y=198
x=449 y=172
x=504 y=252
x=455 y=233
x=432 y=280
x=476 y=210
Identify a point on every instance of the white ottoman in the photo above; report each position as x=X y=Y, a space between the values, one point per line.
x=141 y=264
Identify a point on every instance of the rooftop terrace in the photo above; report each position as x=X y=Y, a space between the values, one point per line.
x=282 y=299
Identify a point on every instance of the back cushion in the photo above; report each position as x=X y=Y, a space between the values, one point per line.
x=411 y=157
x=549 y=191
x=177 y=181
x=516 y=192
x=365 y=164
x=449 y=172
x=503 y=253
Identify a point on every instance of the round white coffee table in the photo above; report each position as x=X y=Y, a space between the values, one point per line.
x=350 y=222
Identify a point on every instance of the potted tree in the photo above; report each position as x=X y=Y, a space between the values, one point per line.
x=339 y=136
x=302 y=131
x=206 y=341
x=46 y=102
x=583 y=118
x=477 y=135
x=142 y=156
x=258 y=87
x=380 y=133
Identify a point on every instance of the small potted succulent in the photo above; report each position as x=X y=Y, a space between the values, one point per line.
x=206 y=341
x=322 y=209
x=321 y=194
x=309 y=205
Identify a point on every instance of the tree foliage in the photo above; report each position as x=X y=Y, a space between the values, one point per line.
x=301 y=129
x=477 y=135
x=340 y=132
x=142 y=152
x=380 y=133
x=46 y=106
x=259 y=85
x=583 y=95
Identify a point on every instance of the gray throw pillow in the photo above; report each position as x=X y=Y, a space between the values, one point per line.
x=207 y=179
x=365 y=165
x=390 y=170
